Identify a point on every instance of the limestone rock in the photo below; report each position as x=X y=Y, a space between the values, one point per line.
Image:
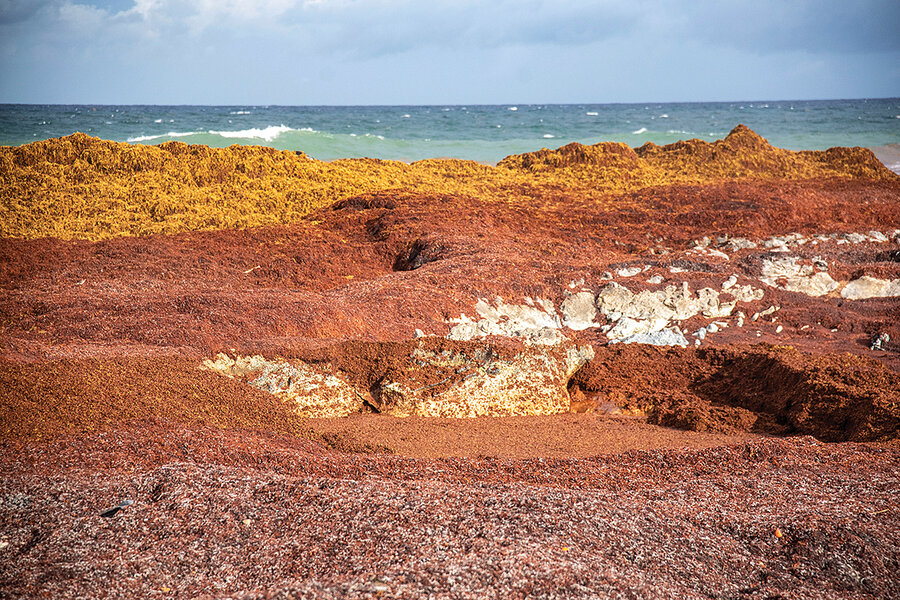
x=534 y=324
x=533 y=382
x=788 y=274
x=870 y=287
x=670 y=336
x=579 y=312
x=314 y=391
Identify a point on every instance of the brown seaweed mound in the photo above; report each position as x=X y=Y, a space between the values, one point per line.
x=78 y=187
x=768 y=389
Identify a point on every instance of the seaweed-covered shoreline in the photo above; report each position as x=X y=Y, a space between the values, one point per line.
x=677 y=367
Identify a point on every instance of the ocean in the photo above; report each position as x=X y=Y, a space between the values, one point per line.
x=481 y=133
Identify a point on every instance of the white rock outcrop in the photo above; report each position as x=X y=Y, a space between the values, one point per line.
x=537 y=323
x=533 y=382
x=313 y=390
x=870 y=287
x=788 y=273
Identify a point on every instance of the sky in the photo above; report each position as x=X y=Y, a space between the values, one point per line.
x=355 y=52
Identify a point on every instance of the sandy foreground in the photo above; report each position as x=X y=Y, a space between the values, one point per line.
x=594 y=372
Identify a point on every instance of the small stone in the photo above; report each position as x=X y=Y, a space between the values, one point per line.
x=606 y=276
x=779 y=329
x=418 y=333
x=247 y=521
x=855 y=238
x=628 y=272
x=655 y=280
x=879 y=341
x=701 y=333
x=712 y=328
x=729 y=283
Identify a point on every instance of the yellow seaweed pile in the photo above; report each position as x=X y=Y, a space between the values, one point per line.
x=79 y=187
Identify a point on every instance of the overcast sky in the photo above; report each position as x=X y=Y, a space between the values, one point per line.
x=445 y=51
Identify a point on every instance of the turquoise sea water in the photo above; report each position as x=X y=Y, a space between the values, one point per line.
x=483 y=133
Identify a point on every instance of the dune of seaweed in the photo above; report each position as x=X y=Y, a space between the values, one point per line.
x=79 y=187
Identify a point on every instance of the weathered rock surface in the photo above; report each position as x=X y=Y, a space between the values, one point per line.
x=789 y=274
x=530 y=382
x=871 y=287
x=313 y=392
x=426 y=380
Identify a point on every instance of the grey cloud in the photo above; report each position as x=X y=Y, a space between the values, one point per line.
x=17 y=11
x=373 y=30
x=767 y=26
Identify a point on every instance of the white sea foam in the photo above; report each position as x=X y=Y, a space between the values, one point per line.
x=549 y=135
x=157 y=120
x=405 y=116
x=639 y=131
x=240 y=112
x=513 y=108
x=664 y=116
x=171 y=134
x=591 y=114
x=268 y=134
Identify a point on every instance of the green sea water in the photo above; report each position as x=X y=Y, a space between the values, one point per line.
x=482 y=133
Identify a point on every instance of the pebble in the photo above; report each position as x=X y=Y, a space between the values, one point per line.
x=629 y=272
x=729 y=283
x=880 y=340
x=656 y=279
x=712 y=328
x=779 y=329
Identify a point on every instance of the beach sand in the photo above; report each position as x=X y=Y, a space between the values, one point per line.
x=889 y=155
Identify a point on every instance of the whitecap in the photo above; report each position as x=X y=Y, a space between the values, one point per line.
x=171 y=134
x=639 y=131
x=268 y=134
x=240 y=112
x=664 y=116
x=157 y=120
x=513 y=108
x=549 y=135
x=405 y=116
x=592 y=114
